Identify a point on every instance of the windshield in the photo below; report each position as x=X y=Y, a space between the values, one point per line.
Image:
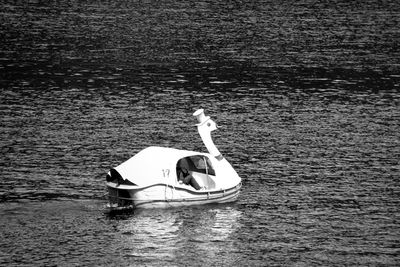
x=197 y=163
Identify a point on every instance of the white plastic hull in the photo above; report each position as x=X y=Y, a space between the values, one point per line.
x=165 y=196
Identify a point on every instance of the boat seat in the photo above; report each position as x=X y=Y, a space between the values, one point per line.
x=203 y=180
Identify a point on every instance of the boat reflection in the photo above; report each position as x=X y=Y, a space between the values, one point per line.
x=180 y=235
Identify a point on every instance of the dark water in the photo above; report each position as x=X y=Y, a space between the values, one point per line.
x=307 y=93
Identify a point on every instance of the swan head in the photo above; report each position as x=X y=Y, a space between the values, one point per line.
x=205 y=126
x=204 y=122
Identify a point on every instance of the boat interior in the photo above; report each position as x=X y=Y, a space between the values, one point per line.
x=200 y=168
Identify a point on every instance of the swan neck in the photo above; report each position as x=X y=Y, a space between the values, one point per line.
x=208 y=142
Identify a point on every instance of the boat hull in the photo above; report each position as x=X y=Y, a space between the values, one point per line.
x=166 y=196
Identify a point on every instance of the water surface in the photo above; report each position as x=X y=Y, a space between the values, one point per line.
x=306 y=92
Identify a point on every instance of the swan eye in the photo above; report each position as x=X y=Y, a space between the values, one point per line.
x=208 y=124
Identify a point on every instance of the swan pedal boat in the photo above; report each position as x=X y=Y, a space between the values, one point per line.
x=150 y=178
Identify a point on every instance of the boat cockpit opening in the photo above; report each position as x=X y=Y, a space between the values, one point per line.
x=200 y=170
x=114 y=177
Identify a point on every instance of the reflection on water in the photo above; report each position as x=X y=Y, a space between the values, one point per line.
x=146 y=233
x=78 y=232
x=199 y=235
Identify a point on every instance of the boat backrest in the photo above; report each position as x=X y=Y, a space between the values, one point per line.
x=204 y=180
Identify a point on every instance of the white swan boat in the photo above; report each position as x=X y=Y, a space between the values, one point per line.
x=166 y=177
